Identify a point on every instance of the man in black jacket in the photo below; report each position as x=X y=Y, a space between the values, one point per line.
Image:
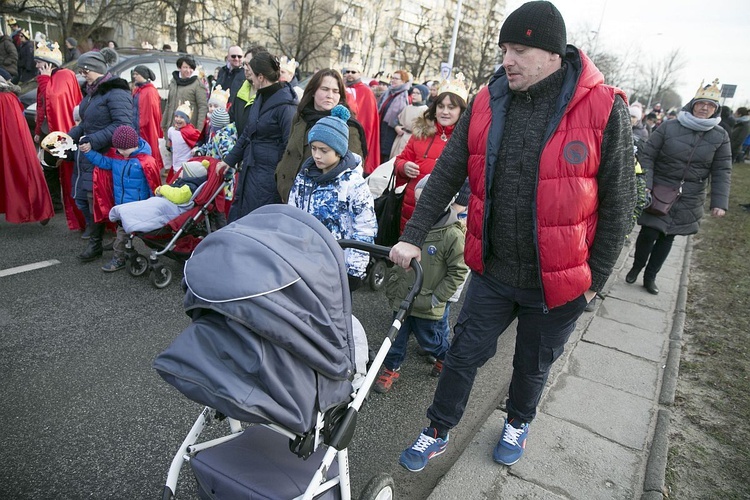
x=231 y=76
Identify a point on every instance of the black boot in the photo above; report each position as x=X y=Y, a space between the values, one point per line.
x=650 y=284
x=632 y=274
x=94 y=249
x=53 y=183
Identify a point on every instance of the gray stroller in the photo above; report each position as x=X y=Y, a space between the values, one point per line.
x=272 y=350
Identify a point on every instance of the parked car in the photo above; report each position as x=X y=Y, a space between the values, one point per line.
x=162 y=63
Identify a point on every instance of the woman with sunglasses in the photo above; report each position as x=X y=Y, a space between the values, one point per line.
x=321 y=95
x=263 y=139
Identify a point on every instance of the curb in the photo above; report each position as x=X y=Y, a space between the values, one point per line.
x=653 y=484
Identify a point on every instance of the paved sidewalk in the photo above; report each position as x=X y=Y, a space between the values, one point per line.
x=602 y=426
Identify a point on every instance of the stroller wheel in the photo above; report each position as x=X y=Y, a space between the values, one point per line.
x=161 y=277
x=137 y=265
x=380 y=487
x=376 y=275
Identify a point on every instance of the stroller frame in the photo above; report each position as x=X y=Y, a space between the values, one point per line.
x=344 y=428
x=160 y=275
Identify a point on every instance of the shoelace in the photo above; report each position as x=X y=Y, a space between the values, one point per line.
x=512 y=434
x=423 y=442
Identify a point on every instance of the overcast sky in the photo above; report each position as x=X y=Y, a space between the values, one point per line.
x=713 y=35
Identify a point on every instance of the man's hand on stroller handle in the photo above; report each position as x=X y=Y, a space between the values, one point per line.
x=402 y=253
x=225 y=169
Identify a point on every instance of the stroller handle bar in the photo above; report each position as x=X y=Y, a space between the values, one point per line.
x=384 y=252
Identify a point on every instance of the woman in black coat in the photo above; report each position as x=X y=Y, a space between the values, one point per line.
x=264 y=138
x=688 y=152
x=106 y=105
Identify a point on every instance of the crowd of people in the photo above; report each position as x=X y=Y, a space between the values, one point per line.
x=530 y=187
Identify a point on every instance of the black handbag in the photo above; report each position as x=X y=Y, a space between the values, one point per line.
x=388 y=212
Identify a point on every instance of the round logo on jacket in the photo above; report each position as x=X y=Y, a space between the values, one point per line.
x=575 y=152
x=432 y=250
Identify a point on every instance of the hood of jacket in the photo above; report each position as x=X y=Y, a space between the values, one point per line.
x=350 y=161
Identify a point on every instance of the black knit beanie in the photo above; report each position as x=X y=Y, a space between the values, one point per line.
x=535 y=24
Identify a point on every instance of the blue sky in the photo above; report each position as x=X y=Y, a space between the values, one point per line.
x=714 y=36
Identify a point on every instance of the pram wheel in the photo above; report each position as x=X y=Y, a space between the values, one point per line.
x=137 y=265
x=376 y=274
x=160 y=277
x=380 y=487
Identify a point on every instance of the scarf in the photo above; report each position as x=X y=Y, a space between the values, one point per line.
x=388 y=111
x=698 y=124
x=355 y=82
x=91 y=88
x=183 y=81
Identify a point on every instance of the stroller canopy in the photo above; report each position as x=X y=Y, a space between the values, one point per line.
x=271 y=337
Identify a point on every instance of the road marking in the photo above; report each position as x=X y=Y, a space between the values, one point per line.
x=28 y=267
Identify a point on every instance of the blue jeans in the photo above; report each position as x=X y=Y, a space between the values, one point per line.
x=431 y=336
x=489 y=308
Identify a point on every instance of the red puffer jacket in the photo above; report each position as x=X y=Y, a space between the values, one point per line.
x=424 y=148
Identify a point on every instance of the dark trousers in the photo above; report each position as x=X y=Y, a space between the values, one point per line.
x=431 y=336
x=489 y=308
x=651 y=251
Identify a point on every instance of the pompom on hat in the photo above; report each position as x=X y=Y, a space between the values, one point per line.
x=219 y=97
x=49 y=52
x=535 y=24
x=195 y=168
x=184 y=110
x=124 y=137
x=333 y=130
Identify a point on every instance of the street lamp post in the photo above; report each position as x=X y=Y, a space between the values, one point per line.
x=452 y=51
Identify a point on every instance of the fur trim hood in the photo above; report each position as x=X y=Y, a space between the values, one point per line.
x=423 y=128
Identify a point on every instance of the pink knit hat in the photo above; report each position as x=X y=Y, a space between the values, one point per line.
x=124 y=137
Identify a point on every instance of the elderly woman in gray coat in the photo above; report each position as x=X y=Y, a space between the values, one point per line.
x=688 y=152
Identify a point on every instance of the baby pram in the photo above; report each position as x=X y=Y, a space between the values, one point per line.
x=271 y=343
x=178 y=237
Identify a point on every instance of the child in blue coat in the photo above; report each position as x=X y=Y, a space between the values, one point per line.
x=135 y=176
x=330 y=186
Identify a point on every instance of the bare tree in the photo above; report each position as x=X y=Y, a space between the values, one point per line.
x=68 y=14
x=476 y=52
x=659 y=76
x=418 y=48
x=303 y=29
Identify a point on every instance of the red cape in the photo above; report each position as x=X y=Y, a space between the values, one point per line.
x=104 y=191
x=24 y=196
x=56 y=97
x=361 y=98
x=190 y=134
x=149 y=119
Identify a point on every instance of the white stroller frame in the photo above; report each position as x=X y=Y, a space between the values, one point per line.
x=344 y=429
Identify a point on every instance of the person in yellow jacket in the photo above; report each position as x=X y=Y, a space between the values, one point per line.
x=192 y=175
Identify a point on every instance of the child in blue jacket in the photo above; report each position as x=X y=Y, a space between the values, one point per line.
x=135 y=177
x=330 y=186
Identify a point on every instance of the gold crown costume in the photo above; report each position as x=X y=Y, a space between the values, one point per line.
x=455 y=86
x=709 y=92
x=49 y=52
x=288 y=65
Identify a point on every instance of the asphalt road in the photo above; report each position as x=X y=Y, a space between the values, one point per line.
x=84 y=415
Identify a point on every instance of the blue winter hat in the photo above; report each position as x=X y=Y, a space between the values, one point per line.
x=332 y=130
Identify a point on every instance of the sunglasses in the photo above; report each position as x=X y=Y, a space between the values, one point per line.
x=236 y=56
x=350 y=72
x=83 y=72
